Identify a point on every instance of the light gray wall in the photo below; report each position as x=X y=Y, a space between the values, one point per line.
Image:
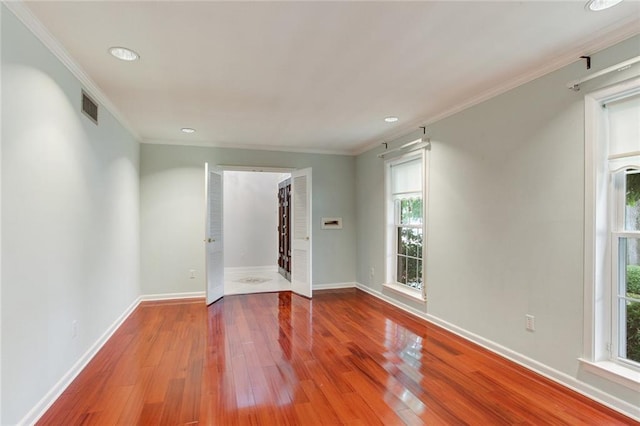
x=250 y=219
x=172 y=212
x=506 y=217
x=70 y=242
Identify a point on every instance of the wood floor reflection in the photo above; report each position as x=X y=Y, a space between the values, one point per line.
x=276 y=358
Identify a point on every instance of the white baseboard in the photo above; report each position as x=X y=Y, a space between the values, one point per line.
x=392 y=301
x=564 y=379
x=520 y=359
x=333 y=286
x=47 y=401
x=169 y=296
x=251 y=269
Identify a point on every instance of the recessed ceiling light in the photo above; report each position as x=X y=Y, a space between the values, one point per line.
x=123 y=53
x=188 y=130
x=391 y=119
x=596 y=5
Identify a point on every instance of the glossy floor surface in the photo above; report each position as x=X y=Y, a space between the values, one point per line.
x=276 y=358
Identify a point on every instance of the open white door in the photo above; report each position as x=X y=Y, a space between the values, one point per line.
x=301 y=232
x=213 y=235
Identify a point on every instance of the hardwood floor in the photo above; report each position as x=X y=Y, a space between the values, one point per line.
x=276 y=358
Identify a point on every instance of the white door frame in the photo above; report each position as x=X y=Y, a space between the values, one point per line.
x=302 y=287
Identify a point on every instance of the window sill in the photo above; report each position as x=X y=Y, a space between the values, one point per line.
x=405 y=291
x=614 y=372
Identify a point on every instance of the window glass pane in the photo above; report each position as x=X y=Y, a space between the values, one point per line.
x=632 y=202
x=401 y=275
x=414 y=275
x=407 y=176
x=402 y=241
x=414 y=242
x=628 y=289
x=630 y=330
x=411 y=211
x=629 y=267
x=410 y=241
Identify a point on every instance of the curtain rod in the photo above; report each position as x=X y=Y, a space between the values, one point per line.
x=625 y=155
x=417 y=144
x=575 y=85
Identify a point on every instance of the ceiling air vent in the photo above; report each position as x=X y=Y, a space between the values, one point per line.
x=89 y=107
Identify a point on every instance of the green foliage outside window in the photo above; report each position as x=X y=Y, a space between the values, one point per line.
x=633 y=281
x=633 y=331
x=633 y=189
x=633 y=277
x=633 y=313
x=409 y=258
x=411 y=211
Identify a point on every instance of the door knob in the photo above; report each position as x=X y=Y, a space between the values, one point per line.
x=211 y=240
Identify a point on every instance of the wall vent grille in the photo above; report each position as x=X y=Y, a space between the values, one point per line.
x=89 y=107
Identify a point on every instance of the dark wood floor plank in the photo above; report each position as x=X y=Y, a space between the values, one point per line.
x=343 y=357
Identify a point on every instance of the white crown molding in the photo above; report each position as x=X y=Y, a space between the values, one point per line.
x=205 y=144
x=600 y=40
x=24 y=14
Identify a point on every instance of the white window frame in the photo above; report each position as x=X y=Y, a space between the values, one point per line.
x=391 y=226
x=600 y=246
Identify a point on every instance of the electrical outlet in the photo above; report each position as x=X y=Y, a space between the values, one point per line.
x=530 y=322
x=74 y=329
x=192 y=274
x=372 y=272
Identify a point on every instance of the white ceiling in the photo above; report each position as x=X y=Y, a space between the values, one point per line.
x=317 y=76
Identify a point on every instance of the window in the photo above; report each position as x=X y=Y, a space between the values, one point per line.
x=623 y=117
x=405 y=214
x=612 y=234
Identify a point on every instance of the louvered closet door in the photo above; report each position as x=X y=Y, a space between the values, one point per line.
x=301 y=232
x=214 y=236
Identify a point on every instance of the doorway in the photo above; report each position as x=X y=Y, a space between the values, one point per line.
x=284 y=228
x=251 y=217
x=249 y=241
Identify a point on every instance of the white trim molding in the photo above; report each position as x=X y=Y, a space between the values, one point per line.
x=20 y=9
x=249 y=147
x=54 y=393
x=172 y=296
x=334 y=286
x=598 y=41
x=516 y=357
x=613 y=372
x=0 y=224
x=542 y=369
x=392 y=301
x=407 y=292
